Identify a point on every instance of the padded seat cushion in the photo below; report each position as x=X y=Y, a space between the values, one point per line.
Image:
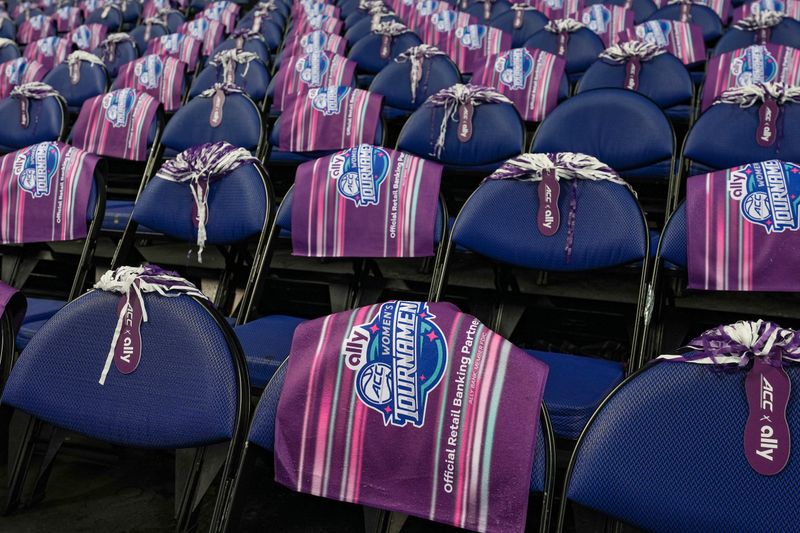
x=266 y=343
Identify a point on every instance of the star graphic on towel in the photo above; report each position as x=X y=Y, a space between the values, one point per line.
x=388 y=409
x=748 y=171
x=795 y=170
x=432 y=336
x=422 y=378
x=374 y=328
x=423 y=314
x=768 y=222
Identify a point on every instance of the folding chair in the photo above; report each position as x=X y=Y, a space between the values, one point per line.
x=623 y=129
x=703 y=16
x=8 y=30
x=49 y=51
x=579 y=45
x=766 y=28
x=34 y=28
x=248 y=41
x=18 y=72
x=146 y=32
x=33 y=113
x=270 y=28
x=109 y=16
x=116 y=50
x=205 y=403
x=602 y=228
x=522 y=21
x=372 y=56
x=622 y=468
x=661 y=77
x=8 y=50
x=362 y=28
x=88 y=36
x=642 y=9
x=249 y=73
x=83 y=76
x=163 y=78
x=485 y=11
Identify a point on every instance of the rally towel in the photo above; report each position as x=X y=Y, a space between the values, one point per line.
x=88 y=37
x=17 y=72
x=330 y=118
x=474 y=43
x=116 y=124
x=789 y=8
x=412 y=407
x=35 y=28
x=311 y=9
x=208 y=32
x=326 y=23
x=438 y=28
x=684 y=40
x=153 y=7
x=160 y=77
x=44 y=193
x=179 y=46
x=223 y=12
x=68 y=18
x=365 y=201
x=315 y=41
x=299 y=74
x=13 y=303
x=743 y=228
x=607 y=21
x=90 y=6
x=49 y=52
x=530 y=78
x=755 y=64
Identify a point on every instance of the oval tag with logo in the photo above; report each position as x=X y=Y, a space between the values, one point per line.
x=632 y=68
x=465 y=122
x=767 y=440
x=767 y=123
x=128 y=348
x=563 y=39
x=386 y=46
x=217 y=101
x=548 y=217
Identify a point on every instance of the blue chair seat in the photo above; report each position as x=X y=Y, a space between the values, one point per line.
x=575 y=387
x=266 y=343
x=39 y=311
x=679 y=112
x=117 y=214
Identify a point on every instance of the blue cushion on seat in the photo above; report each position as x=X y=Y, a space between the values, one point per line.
x=673 y=239
x=663 y=79
x=532 y=22
x=625 y=130
x=583 y=47
x=575 y=387
x=702 y=16
x=39 y=311
x=266 y=343
x=786 y=33
x=46 y=121
x=366 y=52
x=93 y=81
x=394 y=82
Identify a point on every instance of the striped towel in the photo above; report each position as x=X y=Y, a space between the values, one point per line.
x=160 y=77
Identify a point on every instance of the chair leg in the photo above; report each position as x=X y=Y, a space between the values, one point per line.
x=54 y=444
x=184 y=493
x=20 y=462
x=228 y=507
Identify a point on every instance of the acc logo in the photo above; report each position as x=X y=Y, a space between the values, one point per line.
x=444 y=21
x=197 y=29
x=312 y=67
x=149 y=71
x=428 y=7
x=328 y=99
x=399 y=358
x=514 y=67
x=359 y=173
x=172 y=42
x=767 y=5
x=753 y=65
x=471 y=36
x=64 y=12
x=36 y=22
x=47 y=46
x=597 y=18
x=769 y=194
x=15 y=69
x=314 y=41
x=82 y=37
x=554 y=4
x=215 y=10
x=35 y=167
x=655 y=32
x=315 y=22
x=118 y=106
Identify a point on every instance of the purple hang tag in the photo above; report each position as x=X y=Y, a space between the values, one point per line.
x=217 y=101
x=23 y=112
x=386 y=46
x=764 y=35
x=240 y=43
x=632 y=67
x=112 y=52
x=518 y=19
x=147 y=32
x=628 y=4
x=229 y=74
x=686 y=15
x=563 y=38
x=487 y=9
x=75 y=71
x=257 y=24
x=465 y=122
x=128 y=349
x=767 y=123
x=549 y=217
x=767 y=440
x=464 y=4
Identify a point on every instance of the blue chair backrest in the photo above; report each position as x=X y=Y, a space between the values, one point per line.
x=132 y=12
x=92 y=82
x=724 y=136
x=478 y=10
x=363 y=28
x=366 y=52
x=786 y=33
x=702 y=16
x=139 y=35
x=642 y=9
x=256 y=46
x=664 y=79
x=112 y=19
x=175 y=19
x=8 y=29
x=621 y=128
x=184 y=393
x=253 y=78
x=583 y=47
x=237 y=208
x=124 y=52
x=673 y=238
x=241 y=124
x=25 y=14
x=486 y=148
x=673 y=426
x=499 y=221
x=532 y=22
x=271 y=31
x=47 y=121
x=394 y=82
x=9 y=52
